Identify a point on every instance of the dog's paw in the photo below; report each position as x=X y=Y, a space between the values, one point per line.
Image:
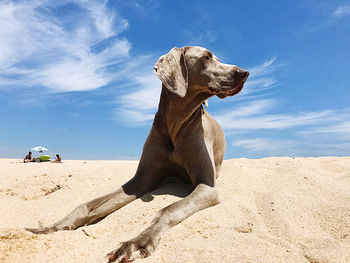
x=139 y=247
x=41 y=230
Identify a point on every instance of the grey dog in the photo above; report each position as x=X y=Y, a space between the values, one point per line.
x=185 y=142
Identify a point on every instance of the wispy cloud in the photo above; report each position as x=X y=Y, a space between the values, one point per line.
x=264 y=69
x=260 y=147
x=255 y=115
x=342 y=11
x=264 y=144
x=138 y=107
x=147 y=96
x=262 y=78
x=40 y=48
x=134 y=117
x=339 y=130
x=201 y=38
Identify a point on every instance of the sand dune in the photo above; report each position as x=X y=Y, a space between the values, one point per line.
x=271 y=210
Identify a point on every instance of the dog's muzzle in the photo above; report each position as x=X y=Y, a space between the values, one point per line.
x=241 y=75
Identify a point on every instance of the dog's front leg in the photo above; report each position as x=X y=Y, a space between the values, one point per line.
x=146 y=242
x=98 y=208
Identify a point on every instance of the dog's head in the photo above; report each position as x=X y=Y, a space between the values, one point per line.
x=198 y=69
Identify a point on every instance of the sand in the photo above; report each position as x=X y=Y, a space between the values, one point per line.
x=271 y=210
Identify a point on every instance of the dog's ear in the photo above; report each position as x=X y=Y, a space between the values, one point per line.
x=171 y=69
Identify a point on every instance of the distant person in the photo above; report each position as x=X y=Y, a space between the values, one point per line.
x=28 y=158
x=57 y=159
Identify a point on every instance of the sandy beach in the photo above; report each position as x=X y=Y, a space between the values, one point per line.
x=271 y=210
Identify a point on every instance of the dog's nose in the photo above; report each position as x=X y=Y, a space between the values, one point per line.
x=241 y=73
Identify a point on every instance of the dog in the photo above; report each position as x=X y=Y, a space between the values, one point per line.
x=185 y=142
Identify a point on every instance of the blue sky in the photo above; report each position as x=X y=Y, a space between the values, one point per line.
x=76 y=76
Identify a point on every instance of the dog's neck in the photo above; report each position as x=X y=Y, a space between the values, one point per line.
x=176 y=113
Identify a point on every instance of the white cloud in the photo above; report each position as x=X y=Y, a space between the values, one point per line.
x=337 y=131
x=325 y=132
x=103 y=17
x=38 y=48
x=263 y=147
x=202 y=38
x=74 y=76
x=264 y=69
x=342 y=11
x=146 y=97
x=248 y=109
x=262 y=78
x=263 y=144
x=339 y=128
x=138 y=107
x=254 y=115
x=134 y=117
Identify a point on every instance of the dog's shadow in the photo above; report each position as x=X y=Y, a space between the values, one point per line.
x=170 y=186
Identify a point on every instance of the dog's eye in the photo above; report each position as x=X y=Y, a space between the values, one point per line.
x=207 y=57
